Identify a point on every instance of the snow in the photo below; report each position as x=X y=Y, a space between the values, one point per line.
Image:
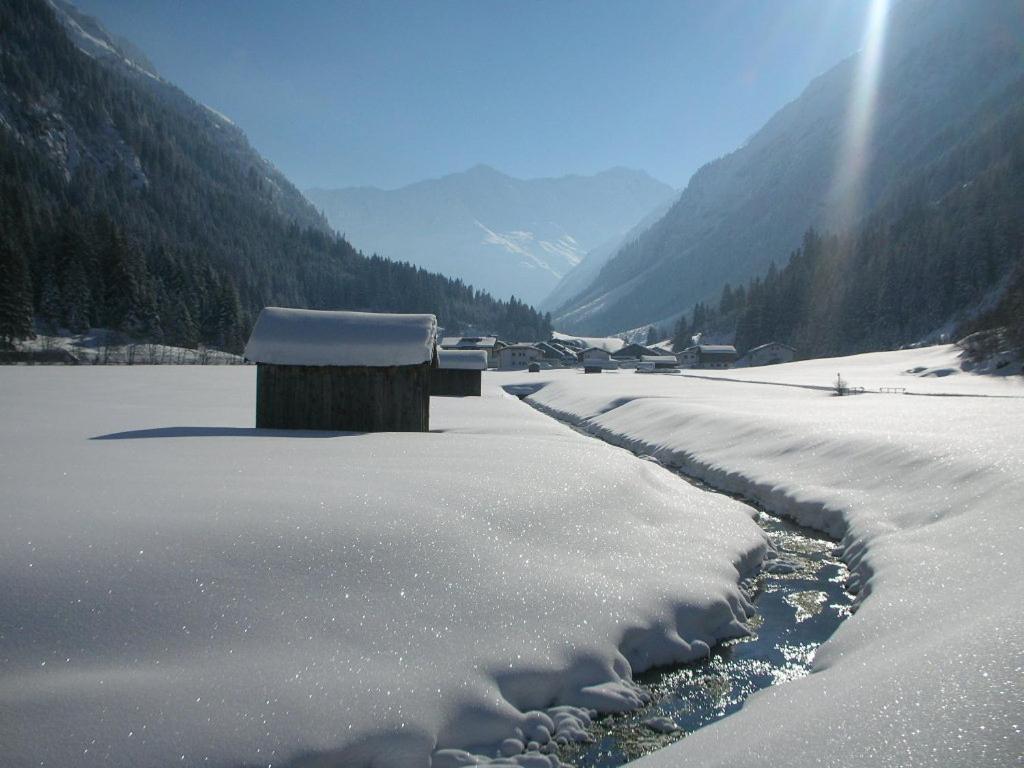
x=218 y=115
x=925 y=371
x=182 y=588
x=607 y=343
x=462 y=359
x=519 y=242
x=312 y=337
x=468 y=342
x=926 y=494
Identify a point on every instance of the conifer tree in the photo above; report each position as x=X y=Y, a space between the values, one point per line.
x=15 y=295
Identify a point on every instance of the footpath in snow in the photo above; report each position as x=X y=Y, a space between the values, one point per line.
x=179 y=588
x=926 y=493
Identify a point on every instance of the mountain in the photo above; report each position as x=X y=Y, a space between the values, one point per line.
x=577 y=279
x=943 y=61
x=126 y=204
x=941 y=258
x=509 y=236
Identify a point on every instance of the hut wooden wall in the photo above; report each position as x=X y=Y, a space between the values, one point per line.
x=357 y=399
x=452 y=382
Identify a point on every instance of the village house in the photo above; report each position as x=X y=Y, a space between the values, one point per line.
x=769 y=354
x=688 y=358
x=556 y=354
x=594 y=353
x=518 y=356
x=661 y=348
x=716 y=356
x=458 y=373
x=633 y=352
x=342 y=371
x=658 y=363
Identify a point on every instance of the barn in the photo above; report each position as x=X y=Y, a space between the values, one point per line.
x=458 y=372
x=342 y=371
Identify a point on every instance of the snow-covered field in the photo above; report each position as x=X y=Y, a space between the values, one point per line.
x=925 y=371
x=928 y=493
x=179 y=588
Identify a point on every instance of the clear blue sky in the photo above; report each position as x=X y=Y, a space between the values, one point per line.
x=385 y=93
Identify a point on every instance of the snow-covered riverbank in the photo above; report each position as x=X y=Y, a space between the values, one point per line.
x=928 y=493
x=180 y=588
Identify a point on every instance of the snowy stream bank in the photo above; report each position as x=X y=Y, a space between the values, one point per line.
x=800 y=598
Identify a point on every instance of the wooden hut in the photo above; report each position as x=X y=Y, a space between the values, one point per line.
x=458 y=372
x=343 y=371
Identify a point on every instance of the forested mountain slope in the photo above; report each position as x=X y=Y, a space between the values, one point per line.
x=126 y=204
x=944 y=60
x=944 y=255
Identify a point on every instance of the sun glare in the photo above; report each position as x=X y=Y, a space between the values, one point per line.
x=856 y=147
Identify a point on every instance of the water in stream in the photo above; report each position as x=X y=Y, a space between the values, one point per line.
x=800 y=599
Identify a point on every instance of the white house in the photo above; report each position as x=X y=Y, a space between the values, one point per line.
x=518 y=356
x=595 y=353
x=688 y=358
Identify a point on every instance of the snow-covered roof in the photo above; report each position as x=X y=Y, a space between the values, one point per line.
x=468 y=342
x=719 y=349
x=462 y=359
x=311 y=337
x=633 y=350
x=659 y=359
x=769 y=345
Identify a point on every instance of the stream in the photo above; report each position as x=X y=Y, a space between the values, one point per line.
x=801 y=600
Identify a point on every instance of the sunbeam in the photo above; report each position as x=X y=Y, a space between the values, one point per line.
x=848 y=187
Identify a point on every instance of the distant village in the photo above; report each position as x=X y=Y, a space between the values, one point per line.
x=594 y=355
